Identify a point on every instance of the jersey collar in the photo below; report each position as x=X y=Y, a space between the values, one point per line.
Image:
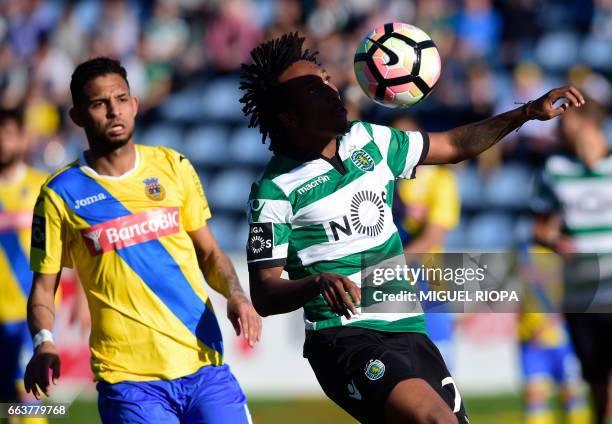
x=85 y=167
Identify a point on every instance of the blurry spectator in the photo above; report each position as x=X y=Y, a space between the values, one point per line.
x=166 y=34
x=289 y=17
x=519 y=29
x=69 y=36
x=50 y=68
x=27 y=19
x=602 y=19
x=118 y=27
x=479 y=27
x=231 y=35
x=13 y=77
x=329 y=16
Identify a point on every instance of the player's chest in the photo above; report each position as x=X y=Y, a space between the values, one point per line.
x=348 y=205
x=135 y=202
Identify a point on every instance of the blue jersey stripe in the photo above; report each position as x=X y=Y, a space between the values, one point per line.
x=18 y=260
x=150 y=260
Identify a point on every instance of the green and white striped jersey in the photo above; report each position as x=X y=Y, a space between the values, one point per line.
x=314 y=215
x=583 y=199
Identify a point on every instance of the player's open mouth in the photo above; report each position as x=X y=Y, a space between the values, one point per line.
x=117 y=129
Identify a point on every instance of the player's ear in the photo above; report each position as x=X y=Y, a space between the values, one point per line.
x=76 y=117
x=135 y=104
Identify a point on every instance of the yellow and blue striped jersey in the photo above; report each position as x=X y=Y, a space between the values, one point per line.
x=17 y=200
x=127 y=237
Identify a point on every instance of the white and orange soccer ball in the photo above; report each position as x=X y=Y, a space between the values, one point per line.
x=397 y=65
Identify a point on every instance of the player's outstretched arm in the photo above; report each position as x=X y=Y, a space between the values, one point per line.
x=272 y=294
x=41 y=314
x=221 y=276
x=470 y=140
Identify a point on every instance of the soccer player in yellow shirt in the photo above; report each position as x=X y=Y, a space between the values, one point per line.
x=19 y=186
x=132 y=220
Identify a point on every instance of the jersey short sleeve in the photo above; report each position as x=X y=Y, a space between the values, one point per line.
x=49 y=243
x=195 y=211
x=269 y=215
x=544 y=201
x=404 y=151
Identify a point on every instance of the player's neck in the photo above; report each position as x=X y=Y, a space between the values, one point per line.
x=11 y=172
x=325 y=147
x=113 y=163
x=329 y=151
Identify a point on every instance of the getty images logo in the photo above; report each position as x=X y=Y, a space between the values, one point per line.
x=79 y=203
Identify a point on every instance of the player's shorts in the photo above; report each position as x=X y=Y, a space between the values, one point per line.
x=558 y=363
x=15 y=351
x=209 y=396
x=590 y=334
x=358 y=368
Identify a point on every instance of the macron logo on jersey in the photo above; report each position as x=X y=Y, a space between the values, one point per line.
x=320 y=180
x=89 y=200
x=130 y=230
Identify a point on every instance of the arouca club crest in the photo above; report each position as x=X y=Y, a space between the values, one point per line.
x=154 y=190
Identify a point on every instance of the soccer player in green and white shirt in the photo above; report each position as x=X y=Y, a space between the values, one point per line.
x=322 y=212
x=573 y=216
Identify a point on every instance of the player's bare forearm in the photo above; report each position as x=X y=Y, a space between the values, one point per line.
x=221 y=275
x=273 y=295
x=41 y=302
x=470 y=140
x=216 y=266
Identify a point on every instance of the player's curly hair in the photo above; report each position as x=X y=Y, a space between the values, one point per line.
x=263 y=99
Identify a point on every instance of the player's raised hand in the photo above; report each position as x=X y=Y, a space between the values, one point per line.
x=36 y=378
x=244 y=318
x=544 y=108
x=340 y=293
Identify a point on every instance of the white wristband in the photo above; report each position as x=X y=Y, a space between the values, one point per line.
x=41 y=337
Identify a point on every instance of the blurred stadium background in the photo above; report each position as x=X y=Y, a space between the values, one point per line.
x=183 y=59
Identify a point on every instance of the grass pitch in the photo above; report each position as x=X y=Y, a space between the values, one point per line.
x=498 y=409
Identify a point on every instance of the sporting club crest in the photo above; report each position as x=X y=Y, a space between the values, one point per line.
x=362 y=160
x=153 y=189
x=375 y=369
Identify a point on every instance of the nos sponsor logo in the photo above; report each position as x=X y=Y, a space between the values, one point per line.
x=367 y=216
x=132 y=229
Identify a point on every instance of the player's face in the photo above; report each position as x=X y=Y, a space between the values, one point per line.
x=108 y=111
x=314 y=102
x=12 y=143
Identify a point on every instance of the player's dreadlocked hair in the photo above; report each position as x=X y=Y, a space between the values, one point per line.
x=262 y=99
